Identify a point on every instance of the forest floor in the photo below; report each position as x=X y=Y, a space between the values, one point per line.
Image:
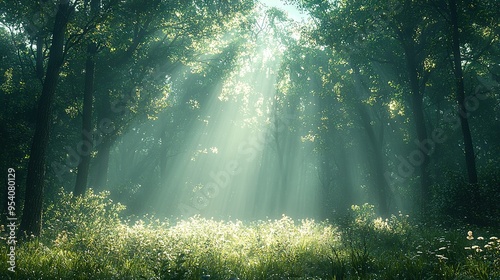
x=85 y=238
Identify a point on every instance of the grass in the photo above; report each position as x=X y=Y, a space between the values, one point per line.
x=85 y=238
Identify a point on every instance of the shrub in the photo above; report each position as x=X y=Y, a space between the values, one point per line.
x=457 y=201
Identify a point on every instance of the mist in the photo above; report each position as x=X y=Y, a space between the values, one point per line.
x=250 y=139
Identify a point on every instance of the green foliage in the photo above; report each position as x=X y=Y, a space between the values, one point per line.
x=457 y=200
x=82 y=214
x=85 y=238
x=364 y=237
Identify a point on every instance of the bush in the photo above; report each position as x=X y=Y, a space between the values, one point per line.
x=457 y=201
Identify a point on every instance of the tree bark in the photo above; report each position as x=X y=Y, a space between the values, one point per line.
x=32 y=213
x=470 y=159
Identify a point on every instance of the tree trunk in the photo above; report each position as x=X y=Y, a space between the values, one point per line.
x=346 y=182
x=377 y=160
x=102 y=163
x=470 y=159
x=32 y=213
x=83 y=167
x=326 y=177
x=377 y=163
x=281 y=146
x=418 y=117
x=39 y=57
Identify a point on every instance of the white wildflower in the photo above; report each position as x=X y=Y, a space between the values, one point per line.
x=441 y=257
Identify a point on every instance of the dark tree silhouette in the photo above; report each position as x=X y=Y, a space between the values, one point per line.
x=32 y=213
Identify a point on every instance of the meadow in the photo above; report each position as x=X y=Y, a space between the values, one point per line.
x=88 y=238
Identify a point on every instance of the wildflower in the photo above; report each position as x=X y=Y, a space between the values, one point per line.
x=442 y=248
x=467 y=248
x=469 y=235
x=493 y=238
x=475 y=247
x=441 y=257
x=480 y=238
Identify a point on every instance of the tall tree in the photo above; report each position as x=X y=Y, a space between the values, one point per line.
x=32 y=211
x=83 y=167
x=375 y=132
x=470 y=159
x=394 y=33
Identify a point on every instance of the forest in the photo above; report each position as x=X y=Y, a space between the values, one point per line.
x=247 y=139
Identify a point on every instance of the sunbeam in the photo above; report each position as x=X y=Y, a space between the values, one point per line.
x=250 y=139
x=241 y=158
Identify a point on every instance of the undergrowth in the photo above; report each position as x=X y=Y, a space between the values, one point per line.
x=86 y=238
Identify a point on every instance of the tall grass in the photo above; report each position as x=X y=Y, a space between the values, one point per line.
x=86 y=238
